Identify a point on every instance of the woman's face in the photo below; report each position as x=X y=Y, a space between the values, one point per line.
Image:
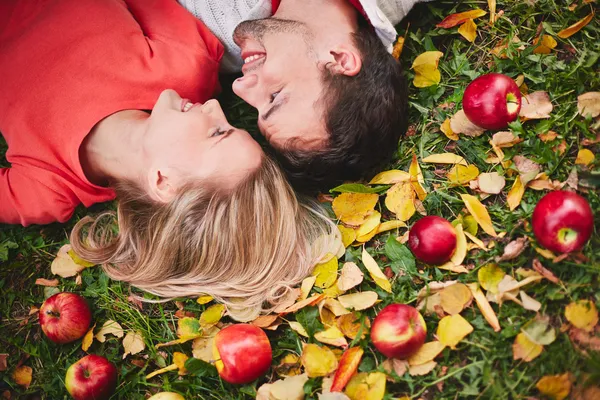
x=188 y=141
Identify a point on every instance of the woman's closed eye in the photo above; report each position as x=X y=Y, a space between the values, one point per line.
x=220 y=132
x=274 y=96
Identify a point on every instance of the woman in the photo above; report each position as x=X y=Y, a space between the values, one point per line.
x=201 y=209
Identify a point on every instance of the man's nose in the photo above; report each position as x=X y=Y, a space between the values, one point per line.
x=246 y=88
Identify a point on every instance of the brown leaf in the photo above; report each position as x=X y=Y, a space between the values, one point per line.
x=513 y=249
x=46 y=282
x=528 y=169
x=22 y=376
x=265 y=320
x=585 y=339
x=505 y=139
x=548 y=136
x=588 y=104
x=537 y=265
x=3 y=362
x=459 y=123
x=536 y=105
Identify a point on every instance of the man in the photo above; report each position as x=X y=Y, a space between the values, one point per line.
x=330 y=97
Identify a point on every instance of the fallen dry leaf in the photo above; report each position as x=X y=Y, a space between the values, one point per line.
x=398 y=47
x=455 y=263
x=536 y=105
x=524 y=349
x=459 y=123
x=445 y=158
x=468 y=30
x=347 y=367
x=64 y=265
x=582 y=314
x=353 y=208
x=485 y=307
x=133 y=343
x=515 y=194
x=399 y=367
x=306 y=287
x=204 y=299
x=585 y=157
x=390 y=177
x=459 y=174
x=556 y=387
x=427 y=352
x=426 y=69
x=513 y=249
x=22 y=376
x=545 y=45
x=480 y=213
x=358 y=301
x=202 y=347
x=489 y=276
x=504 y=139
x=416 y=178
x=3 y=362
x=366 y=386
x=493 y=16
x=576 y=27
x=585 y=339
x=400 y=200
x=447 y=130
x=332 y=336
x=318 y=360
x=350 y=325
x=212 y=315
x=459 y=18
x=529 y=303
x=548 y=136
x=452 y=329
x=350 y=276
x=527 y=168
x=376 y=274
x=491 y=182
x=455 y=298
x=46 y=282
x=88 y=339
x=298 y=328
x=588 y=104
x=326 y=273
x=315 y=298
x=421 y=369
x=110 y=327
x=264 y=321
x=546 y=273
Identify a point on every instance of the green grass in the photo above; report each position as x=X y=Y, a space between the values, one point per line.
x=482 y=366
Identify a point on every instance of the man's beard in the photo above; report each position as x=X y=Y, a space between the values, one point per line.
x=259 y=28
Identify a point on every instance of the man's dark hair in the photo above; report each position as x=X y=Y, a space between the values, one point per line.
x=365 y=115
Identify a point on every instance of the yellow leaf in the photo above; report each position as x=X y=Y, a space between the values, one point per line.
x=476 y=242
x=576 y=27
x=389 y=225
x=22 y=376
x=290 y=388
x=318 y=361
x=445 y=158
x=297 y=327
x=63 y=265
x=332 y=336
x=350 y=276
x=459 y=123
x=485 y=307
x=353 y=208
x=202 y=347
x=188 y=328
x=585 y=157
x=371 y=223
x=447 y=130
x=371 y=265
x=333 y=291
x=426 y=353
x=454 y=264
x=326 y=273
x=588 y=104
x=133 y=343
x=212 y=315
x=204 y=299
x=334 y=306
x=306 y=286
x=458 y=18
x=398 y=46
x=556 y=387
x=167 y=396
x=480 y=213
x=348 y=235
x=358 y=301
x=417 y=178
x=79 y=260
x=315 y=298
x=366 y=386
x=421 y=369
x=289 y=365
x=524 y=349
x=110 y=327
x=400 y=200
x=468 y=30
x=489 y=276
x=513 y=199
x=88 y=339
x=426 y=69
x=452 y=329
x=459 y=174
x=179 y=360
x=454 y=298
x=546 y=45
x=582 y=314
x=390 y=177
x=492 y=6
x=350 y=325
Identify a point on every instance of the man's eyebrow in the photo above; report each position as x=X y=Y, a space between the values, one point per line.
x=274 y=108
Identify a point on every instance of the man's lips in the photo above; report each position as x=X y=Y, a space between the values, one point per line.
x=252 y=60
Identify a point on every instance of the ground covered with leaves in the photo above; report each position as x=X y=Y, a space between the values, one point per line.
x=506 y=318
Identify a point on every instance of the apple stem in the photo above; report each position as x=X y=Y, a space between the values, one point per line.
x=567 y=236
x=53 y=313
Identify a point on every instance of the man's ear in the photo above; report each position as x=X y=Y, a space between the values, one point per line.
x=347 y=60
x=161 y=187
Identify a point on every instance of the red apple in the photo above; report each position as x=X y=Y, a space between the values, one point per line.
x=91 y=378
x=243 y=353
x=65 y=317
x=562 y=221
x=432 y=240
x=398 y=331
x=492 y=101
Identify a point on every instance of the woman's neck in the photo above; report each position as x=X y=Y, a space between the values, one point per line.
x=113 y=149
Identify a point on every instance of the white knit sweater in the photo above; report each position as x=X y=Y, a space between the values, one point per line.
x=222 y=16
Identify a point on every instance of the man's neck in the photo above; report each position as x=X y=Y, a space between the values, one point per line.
x=114 y=148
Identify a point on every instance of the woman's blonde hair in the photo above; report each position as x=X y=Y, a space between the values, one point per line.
x=246 y=247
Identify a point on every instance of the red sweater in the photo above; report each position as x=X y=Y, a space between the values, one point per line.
x=67 y=64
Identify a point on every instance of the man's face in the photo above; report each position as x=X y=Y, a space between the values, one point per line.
x=282 y=81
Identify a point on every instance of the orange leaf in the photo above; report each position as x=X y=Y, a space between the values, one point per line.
x=348 y=365
x=398 y=46
x=458 y=18
x=576 y=27
x=22 y=376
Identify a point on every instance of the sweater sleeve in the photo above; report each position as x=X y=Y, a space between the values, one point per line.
x=26 y=201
